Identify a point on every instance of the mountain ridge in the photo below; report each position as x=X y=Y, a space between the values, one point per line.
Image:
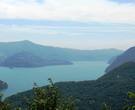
x=127 y=56
x=31 y=42
x=10 y=48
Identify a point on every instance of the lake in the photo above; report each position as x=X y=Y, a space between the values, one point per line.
x=21 y=79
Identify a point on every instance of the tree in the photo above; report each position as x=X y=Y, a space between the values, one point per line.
x=131 y=101
x=50 y=99
x=106 y=107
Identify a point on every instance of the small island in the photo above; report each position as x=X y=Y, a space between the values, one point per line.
x=3 y=85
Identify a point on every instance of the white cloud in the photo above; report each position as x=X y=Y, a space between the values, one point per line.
x=78 y=10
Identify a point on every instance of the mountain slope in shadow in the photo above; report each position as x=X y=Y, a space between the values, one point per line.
x=127 y=56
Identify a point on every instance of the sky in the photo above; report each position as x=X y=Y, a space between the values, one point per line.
x=81 y=24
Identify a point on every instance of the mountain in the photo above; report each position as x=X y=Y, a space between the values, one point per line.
x=47 y=52
x=112 y=88
x=127 y=56
x=3 y=85
x=26 y=59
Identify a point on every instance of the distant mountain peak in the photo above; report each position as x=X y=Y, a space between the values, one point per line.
x=25 y=41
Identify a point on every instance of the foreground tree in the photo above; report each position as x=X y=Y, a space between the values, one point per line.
x=105 y=107
x=50 y=99
x=131 y=102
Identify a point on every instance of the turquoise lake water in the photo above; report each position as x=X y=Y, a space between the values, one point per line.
x=21 y=79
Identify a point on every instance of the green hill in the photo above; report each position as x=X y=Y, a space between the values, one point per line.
x=112 y=88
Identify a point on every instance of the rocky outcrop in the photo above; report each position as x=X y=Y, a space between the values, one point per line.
x=3 y=85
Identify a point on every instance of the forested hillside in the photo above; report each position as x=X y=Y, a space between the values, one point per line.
x=112 y=88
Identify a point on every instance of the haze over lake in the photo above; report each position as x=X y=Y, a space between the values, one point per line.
x=21 y=79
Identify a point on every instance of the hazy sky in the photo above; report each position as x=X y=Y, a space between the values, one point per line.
x=83 y=24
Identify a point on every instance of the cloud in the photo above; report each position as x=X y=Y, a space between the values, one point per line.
x=87 y=37
x=75 y=10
